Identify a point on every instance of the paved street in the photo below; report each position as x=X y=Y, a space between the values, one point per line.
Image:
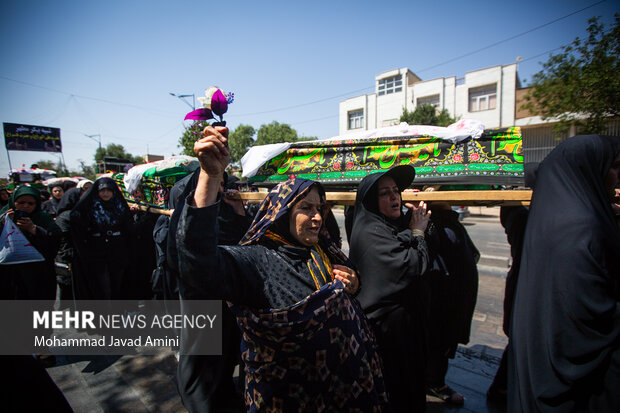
x=142 y=383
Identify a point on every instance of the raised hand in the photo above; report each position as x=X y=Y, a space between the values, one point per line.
x=419 y=216
x=212 y=150
x=348 y=277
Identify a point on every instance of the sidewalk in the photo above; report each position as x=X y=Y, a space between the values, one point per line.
x=131 y=383
x=141 y=383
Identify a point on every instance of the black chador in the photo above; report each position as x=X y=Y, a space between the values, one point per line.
x=391 y=260
x=102 y=234
x=565 y=326
x=205 y=383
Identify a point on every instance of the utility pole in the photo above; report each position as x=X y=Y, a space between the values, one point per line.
x=93 y=138
x=182 y=97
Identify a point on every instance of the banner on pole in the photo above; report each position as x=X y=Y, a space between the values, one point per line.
x=18 y=137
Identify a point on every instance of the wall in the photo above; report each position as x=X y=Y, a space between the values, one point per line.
x=386 y=109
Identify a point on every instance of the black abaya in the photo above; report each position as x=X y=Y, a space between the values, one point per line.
x=64 y=259
x=390 y=261
x=51 y=207
x=205 y=383
x=565 y=326
x=102 y=235
x=453 y=284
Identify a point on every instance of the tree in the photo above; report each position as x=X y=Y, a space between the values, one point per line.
x=57 y=166
x=87 y=171
x=45 y=164
x=275 y=133
x=581 y=85
x=239 y=141
x=116 y=151
x=190 y=135
x=426 y=114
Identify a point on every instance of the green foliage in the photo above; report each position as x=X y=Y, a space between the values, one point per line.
x=45 y=164
x=190 y=135
x=580 y=85
x=426 y=114
x=56 y=166
x=87 y=171
x=239 y=141
x=444 y=118
x=275 y=133
x=116 y=151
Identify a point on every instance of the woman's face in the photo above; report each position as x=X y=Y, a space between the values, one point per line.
x=86 y=187
x=613 y=177
x=57 y=192
x=389 y=197
x=305 y=219
x=4 y=195
x=26 y=203
x=105 y=194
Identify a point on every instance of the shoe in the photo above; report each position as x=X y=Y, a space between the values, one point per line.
x=447 y=394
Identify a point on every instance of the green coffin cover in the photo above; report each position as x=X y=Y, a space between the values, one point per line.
x=495 y=158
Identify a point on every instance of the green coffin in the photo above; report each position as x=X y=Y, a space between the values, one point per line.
x=496 y=158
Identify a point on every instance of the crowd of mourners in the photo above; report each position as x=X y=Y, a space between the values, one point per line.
x=313 y=329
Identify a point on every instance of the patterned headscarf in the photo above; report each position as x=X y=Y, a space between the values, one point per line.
x=278 y=203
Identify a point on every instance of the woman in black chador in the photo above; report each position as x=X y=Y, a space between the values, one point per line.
x=390 y=253
x=453 y=282
x=66 y=254
x=565 y=330
x=204 y=382
x=32 y=280
x=51 y=205
x=305 y=345
x=101 y=232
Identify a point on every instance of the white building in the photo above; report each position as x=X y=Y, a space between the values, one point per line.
x=487 y=95
x=492 y=95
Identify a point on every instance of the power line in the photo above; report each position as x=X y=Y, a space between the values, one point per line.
x=315 y=120
x=303 y=104
x=510 y=38
x=439 y=64
x=543 y=53
x=149 y=110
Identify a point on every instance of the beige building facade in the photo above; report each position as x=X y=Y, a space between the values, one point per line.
x=493 y=96
x=487 y=95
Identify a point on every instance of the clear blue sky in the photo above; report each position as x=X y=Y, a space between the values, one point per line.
x=107 y=67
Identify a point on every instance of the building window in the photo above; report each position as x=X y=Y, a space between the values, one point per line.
x=389 y=122
x=428 y=100
x=356 y=119
x=483 y=98
x=389 y=85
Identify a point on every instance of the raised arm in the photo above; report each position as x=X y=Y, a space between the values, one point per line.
x=213 y=155
x=206 y=271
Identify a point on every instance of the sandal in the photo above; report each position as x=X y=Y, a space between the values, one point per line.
x=447 y=394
